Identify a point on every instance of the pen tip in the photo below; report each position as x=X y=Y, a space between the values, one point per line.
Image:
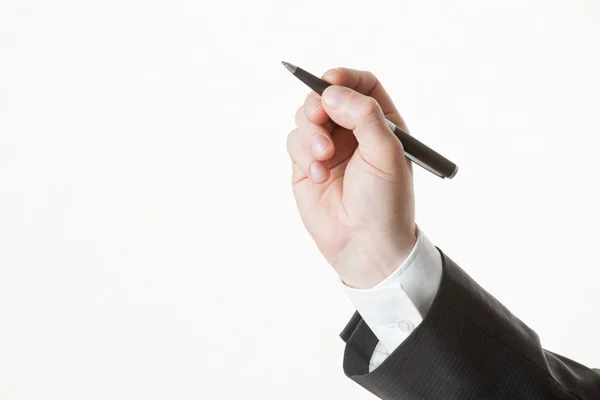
x=291 y=67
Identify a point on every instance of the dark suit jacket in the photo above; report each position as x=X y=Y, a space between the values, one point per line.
x=469 y=346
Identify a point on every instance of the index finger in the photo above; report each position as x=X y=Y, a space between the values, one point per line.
x=366 y=82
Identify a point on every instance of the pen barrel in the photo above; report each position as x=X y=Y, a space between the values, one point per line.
x=425 y=156
x=414 y=150
x=316 y=84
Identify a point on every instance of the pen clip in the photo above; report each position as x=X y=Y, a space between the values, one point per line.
x=423 y=165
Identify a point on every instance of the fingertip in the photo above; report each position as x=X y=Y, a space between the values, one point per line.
x=318 y=172
x=321 y=146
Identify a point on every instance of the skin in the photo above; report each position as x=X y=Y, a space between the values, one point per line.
x=352 y=183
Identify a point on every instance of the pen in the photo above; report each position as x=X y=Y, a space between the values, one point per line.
x=414 y=150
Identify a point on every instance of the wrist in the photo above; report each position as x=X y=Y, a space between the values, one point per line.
x=369 y=259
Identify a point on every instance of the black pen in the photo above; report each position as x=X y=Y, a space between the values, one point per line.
x=415 y=151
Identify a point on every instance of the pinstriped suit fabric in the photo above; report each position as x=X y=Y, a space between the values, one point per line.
x=469 y=346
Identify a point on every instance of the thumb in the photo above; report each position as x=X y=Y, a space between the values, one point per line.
x=363 y=115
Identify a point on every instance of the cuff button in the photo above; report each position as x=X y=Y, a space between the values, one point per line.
x=406 y=326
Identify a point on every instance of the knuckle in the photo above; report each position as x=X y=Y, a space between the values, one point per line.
x=291 y=140
x=368 y=75
x=369 y=110
x=331 y=71
x=297 y=145
x=299 y=116
x=309 y=97
x=311 y=105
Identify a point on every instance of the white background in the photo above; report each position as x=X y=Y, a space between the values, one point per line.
x=149 y=243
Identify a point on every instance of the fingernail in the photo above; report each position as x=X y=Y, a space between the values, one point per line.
x=335 y=95
x=330 y=71
x=319 y=144
x=317 y=171
x=312 y=105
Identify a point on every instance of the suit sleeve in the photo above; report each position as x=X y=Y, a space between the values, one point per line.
x=469 y=346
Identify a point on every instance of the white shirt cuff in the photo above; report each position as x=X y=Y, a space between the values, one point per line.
x=398 y=304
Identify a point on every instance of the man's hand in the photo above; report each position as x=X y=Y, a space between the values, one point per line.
x=352 y=182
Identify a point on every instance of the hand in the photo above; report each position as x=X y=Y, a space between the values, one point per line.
x=352 y=183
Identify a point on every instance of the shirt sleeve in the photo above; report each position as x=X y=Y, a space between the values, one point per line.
x=398 y=304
